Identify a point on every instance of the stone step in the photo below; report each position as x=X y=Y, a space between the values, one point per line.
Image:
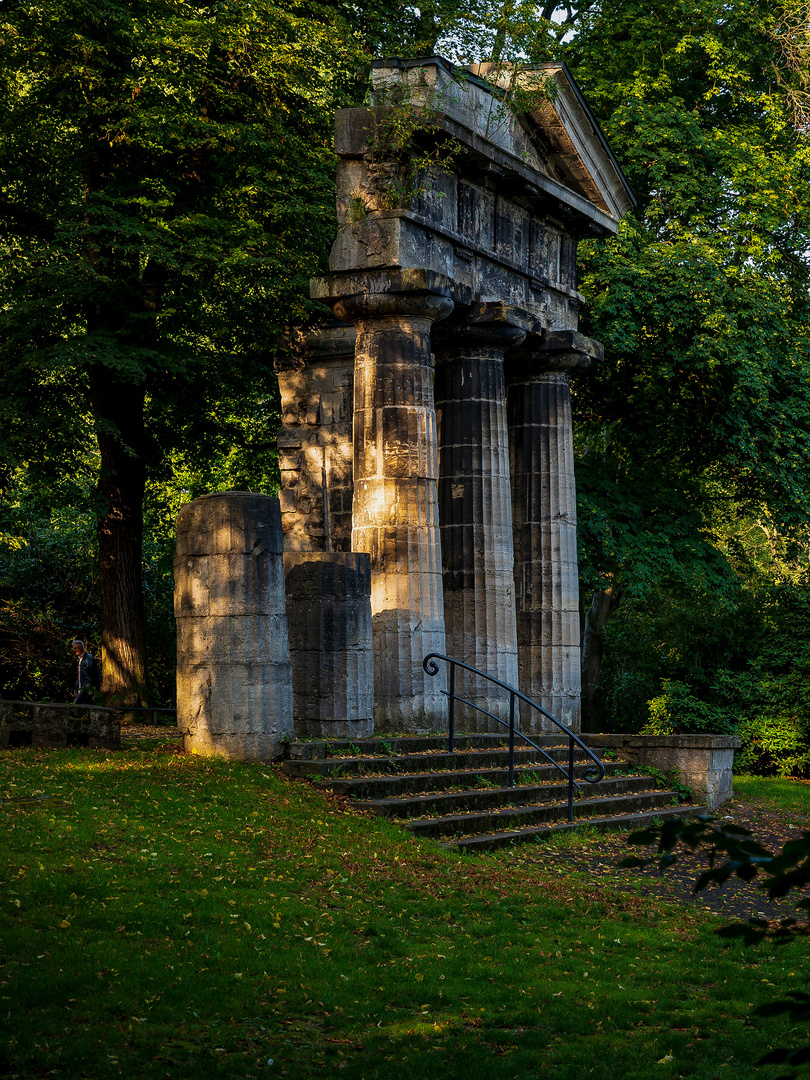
x=390 y=785
x=517 y=817
x=398 y=785
x=464 y=760
x=635 y=820
x=441 y=802
x=464 y=795
x=392 y=745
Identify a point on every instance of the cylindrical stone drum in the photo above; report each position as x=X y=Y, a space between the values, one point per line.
x=329 y=619
x=234 y=679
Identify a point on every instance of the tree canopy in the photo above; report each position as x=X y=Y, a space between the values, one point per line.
x=166 y=191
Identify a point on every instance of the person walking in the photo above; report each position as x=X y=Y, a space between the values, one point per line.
x=86 y=674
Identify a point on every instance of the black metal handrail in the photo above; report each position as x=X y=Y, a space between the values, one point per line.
x=592 y=776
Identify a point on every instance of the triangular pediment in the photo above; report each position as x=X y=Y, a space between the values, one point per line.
x=579 y=155
x=535 y=121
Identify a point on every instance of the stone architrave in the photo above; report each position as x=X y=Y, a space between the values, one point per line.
x=475 y=514
x=329 y=618
x=544 y=508
x=234 y=680
x=395 y=515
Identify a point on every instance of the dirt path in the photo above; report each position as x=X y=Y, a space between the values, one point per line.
x=735 y=899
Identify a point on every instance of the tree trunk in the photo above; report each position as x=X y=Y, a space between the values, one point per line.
x=603 y=605
x=119 y=410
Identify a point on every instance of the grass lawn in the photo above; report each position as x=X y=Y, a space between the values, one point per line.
x=166 y=915
x=776 y=793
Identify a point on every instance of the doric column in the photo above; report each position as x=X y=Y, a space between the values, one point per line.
x=395 y=514
x=545 y=523
x=475 y=512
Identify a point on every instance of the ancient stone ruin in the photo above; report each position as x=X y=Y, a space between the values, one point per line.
x=428 y=501
x=234 y=680
x=429 y=426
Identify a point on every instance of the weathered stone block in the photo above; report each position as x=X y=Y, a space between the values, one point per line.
x=704 y=762
x=234 y=681
x=25 y=723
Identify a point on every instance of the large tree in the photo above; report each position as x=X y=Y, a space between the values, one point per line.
x=702 y=301
x=165 y=191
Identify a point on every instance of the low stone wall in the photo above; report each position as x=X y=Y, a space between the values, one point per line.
x=704 y=762
x=30 y=723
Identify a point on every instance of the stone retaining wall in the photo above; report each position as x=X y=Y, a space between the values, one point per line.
x=704 y=762
x=30 y=723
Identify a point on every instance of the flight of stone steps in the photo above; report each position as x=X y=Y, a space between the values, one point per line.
x=463 y=799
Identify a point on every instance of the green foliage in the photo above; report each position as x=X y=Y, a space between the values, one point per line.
x=49 y=596
x=149 y=168
x=406 y=150
x=693 y=435
x=701 y=300
x=157 y=239
x=685 y=665
x=775 y=744
x=677 y=710
x=666 y=780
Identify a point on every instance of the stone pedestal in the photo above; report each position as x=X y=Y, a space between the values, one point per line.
x=329 y=617
x=234 y=681
x=475 y=515
x=544 y=508
x=395 y=507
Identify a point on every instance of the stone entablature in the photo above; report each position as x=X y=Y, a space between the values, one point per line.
x=498 y=222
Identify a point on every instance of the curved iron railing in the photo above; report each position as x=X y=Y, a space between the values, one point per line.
x=592 y=776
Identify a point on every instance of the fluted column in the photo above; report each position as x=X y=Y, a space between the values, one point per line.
x=329 y=621
x=475 y=514
x=545 y=524
x=395 y=505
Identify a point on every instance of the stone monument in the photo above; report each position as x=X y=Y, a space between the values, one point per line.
x=429 y=426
